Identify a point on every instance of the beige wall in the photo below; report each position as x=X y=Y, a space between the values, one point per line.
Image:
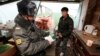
x=83 y=14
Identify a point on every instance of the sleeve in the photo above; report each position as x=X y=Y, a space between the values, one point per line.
x=59 y=25
x=25 y=46
x=70 y=29
x=37 y=47
x=28 y=47
x=31 y=48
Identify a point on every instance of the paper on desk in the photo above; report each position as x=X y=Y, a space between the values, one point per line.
x=10 y=45
x=89 y=43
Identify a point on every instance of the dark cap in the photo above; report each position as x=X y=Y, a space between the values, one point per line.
x=26 y=7
x=64 y=9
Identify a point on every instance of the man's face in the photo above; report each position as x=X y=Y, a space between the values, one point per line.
x=64 y=13
x=30 y=18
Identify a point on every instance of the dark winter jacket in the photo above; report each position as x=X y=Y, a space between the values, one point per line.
x=65 y=27
x=32 y=38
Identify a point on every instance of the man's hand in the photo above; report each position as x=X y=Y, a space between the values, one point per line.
x=50 y=39
x=59 y=34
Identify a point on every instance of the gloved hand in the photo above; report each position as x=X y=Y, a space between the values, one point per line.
x=59 y=34
x=49 y=38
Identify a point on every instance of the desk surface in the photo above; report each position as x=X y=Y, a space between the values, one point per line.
x=83 y=39
x=11 y=50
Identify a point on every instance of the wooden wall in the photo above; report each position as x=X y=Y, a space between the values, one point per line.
x=96 y=16
x=93 y=14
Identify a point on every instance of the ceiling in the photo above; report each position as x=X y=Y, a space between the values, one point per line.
x=9 y=1
x=64 y=0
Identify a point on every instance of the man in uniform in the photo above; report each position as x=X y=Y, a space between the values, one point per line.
x=30 y=40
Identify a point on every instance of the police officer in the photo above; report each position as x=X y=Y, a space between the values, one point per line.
x=30 y=40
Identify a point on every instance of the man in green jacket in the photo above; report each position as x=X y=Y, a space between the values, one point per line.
x=65 y=28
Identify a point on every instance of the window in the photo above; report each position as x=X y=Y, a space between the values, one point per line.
x=55 y=7
x=9 y=11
